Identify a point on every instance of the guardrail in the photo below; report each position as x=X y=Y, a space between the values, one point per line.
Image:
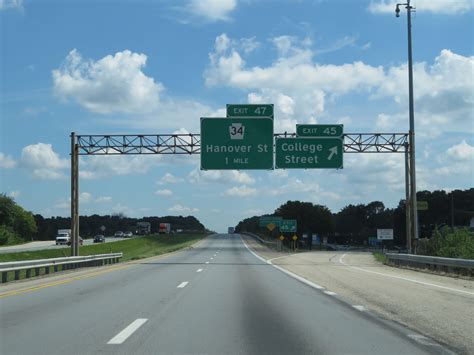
x=450 y=265
x=259 y=239
x=66 y=263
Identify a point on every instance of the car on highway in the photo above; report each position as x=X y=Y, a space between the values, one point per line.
x=128 y=234
x=99 y=239
x=118 y=234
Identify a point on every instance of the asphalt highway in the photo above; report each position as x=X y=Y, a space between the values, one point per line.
x=214 y=298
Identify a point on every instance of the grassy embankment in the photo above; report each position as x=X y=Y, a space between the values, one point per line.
x=379 y=256
x=132 y=249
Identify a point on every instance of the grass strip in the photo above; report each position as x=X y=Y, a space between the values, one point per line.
x=132 y=249
x=379 y=256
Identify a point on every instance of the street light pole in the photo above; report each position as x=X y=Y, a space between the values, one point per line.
x=414 y=209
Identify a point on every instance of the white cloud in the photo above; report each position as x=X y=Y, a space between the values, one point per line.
x=169 y=178
x=103 y=199
x=164 y=192
x=461 y=152
x=43 y=161
x=11 y=4
x=446 y=7
x=221 y=176
x=6 y=161
x=240 y=191
x=300 y=87
x=93 y=167
x=63 y=205
x=182 y=209
x=85 y=197
x=122 y=209
x=212 y=10
x=14 y=194
x=111 y=84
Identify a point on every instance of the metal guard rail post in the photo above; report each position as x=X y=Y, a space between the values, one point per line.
x=67 y=263
x=431 y=262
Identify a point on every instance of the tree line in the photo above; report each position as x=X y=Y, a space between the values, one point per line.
x=17 y=224
x=354 y=224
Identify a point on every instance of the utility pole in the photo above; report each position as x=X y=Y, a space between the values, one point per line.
x=411 y=133
x=74 y=197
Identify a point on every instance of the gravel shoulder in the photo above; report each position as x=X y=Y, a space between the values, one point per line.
x=437 y=306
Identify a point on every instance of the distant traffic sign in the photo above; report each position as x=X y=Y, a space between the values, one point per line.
x=385 y=234
x=282 y=237
x=250 y=110
x=236 y=143
x=294 y=237
x=266 y=220
x=422 y=205
x=288 y=226
x=271 y=226
x=308 y=153
x=319 y=130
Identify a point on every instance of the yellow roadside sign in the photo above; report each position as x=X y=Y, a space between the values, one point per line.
x=282 y=237
x=271 y=226
x=294 y=237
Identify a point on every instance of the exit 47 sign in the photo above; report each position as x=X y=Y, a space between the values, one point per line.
x=308 y=153
x=236 y=143
x=250 y=110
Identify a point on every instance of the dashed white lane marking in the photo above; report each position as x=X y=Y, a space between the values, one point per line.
x=330 y=293
x=207 y=262
x=359 y=307
x=212 y=258
x=198 y=270
x=183 y=284
x=402 y=278
x=422 y=339
x=289 y=273
x=124 y=334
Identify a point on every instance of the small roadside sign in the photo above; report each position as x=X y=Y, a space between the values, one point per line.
x=271 y=226
x=385 y=234
x=422 y=205
x=282 y=237
x=294 y=237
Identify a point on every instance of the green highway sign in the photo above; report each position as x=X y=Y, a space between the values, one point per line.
x=266 y=220
x=308 y=153
x=288 y=226
x=319 y=130
x=250 y=110
x=422 y=205
x=236 y=143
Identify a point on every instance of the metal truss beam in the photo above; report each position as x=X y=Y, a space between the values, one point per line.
x=191 y=143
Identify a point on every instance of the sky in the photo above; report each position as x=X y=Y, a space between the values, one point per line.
x=136 y=67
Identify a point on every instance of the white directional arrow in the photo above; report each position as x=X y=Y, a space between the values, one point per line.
x=333 y=151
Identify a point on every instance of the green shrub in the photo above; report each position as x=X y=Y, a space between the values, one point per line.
x=450 y=244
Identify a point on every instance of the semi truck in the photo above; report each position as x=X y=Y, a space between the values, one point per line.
x=230 y=230
x=63 y=237
x=143 y=228
x=165 y=228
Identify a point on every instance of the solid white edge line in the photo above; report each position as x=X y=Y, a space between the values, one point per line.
x=289 y=273
x=124 y=334
x=330 y=293
x=401 y=278
x=422 y=339
x=183 y=284
x=198 y=270
x=359 y=307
